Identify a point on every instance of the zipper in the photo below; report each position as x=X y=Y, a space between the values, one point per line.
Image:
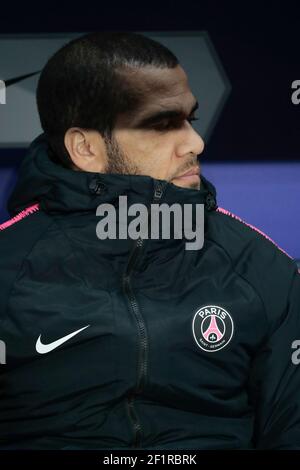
x=159 y=190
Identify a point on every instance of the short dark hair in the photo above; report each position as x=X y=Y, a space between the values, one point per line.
x=85 y=84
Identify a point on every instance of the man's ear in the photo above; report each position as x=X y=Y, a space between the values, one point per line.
x=87 y=149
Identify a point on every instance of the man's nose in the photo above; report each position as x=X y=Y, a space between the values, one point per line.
x=192 y=143
x=196 y=142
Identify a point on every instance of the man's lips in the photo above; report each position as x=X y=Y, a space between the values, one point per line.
x=193 y=172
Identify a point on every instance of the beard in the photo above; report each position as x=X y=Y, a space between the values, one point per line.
x=117 y=160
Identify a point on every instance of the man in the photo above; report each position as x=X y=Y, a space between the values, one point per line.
x=123 y=343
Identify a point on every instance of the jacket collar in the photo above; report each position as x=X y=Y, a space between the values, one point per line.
x=61 y=190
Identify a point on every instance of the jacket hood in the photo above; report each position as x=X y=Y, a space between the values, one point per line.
x=58 y=189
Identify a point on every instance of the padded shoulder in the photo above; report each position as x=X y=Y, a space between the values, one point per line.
x=17 y=238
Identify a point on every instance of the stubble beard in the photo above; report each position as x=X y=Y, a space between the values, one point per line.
x=117 y=161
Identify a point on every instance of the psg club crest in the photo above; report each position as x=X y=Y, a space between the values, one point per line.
x=212 y=328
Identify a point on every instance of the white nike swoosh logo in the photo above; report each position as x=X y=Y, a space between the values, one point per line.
x=45 y=348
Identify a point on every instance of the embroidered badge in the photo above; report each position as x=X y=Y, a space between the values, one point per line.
x=212 y=328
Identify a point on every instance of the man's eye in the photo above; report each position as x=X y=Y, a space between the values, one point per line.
x=165 y=125
x=171 y=124
x=193 y=118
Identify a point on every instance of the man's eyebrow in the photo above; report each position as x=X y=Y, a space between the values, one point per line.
x=166 y=114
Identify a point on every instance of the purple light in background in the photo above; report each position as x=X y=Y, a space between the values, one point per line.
x=266 y=195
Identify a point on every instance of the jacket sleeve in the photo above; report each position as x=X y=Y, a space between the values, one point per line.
x=275 y=375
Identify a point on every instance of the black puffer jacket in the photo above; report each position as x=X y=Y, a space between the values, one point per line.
x=114 y=344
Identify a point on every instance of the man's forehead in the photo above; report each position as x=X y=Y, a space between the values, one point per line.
x=164 y=86
x=160 y=78
x=160 y=90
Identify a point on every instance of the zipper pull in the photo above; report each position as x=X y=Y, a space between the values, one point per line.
x=159 y=190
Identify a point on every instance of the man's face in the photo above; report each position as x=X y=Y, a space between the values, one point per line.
x=150 y=143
